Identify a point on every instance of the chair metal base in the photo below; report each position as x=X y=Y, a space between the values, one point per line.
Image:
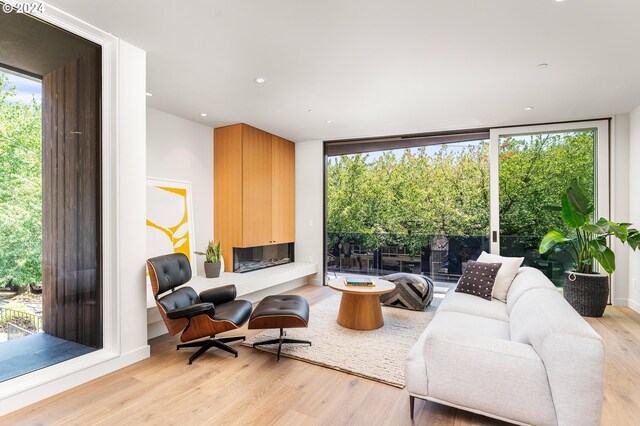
x=280 y=341
x=205 y=345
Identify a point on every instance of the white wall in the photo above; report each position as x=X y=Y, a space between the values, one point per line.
x=180 y=149
x=309 y=205
x=619 y=175
x=634 y=206
x=132 y=205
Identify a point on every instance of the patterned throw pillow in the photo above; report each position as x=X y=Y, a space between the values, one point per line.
x=478 y=279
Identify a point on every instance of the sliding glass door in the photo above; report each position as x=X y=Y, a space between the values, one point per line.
x=435 y=202
x=532 y=168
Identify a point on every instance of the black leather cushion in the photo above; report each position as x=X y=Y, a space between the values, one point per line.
x=237 y=312
x=192 y=310
x=282 y=305
x=478 y=279
x=219 y=295
x=181 y=298
x=172 y=270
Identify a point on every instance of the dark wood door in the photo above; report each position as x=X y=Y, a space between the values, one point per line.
x=71 y=218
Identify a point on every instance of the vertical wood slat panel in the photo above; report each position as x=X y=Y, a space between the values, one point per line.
x=227 y=190
x=69 y=237
x=256 y=187
x=283 y=190
x=48 y=122
x=71 y=195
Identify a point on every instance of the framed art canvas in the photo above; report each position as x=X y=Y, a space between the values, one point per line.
x=170 y=219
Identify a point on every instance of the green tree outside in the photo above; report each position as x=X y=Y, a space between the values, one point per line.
x=20 y=189
x=404 y=198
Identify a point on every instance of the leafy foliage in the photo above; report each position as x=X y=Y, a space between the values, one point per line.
x=589 y=241
x=20 y=189
x=212 y=253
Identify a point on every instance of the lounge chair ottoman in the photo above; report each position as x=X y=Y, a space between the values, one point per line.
x=280 y=311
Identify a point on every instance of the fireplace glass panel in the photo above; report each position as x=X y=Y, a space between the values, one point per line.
x=253 y=258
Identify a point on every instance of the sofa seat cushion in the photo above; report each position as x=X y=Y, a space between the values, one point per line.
x=469 y=304
x=470 y=362
x=463 y=325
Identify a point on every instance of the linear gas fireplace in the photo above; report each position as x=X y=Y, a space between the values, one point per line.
x=253 y=258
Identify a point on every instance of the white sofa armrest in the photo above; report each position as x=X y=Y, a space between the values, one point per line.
x=493 y=376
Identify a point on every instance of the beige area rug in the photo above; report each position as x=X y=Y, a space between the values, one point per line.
x=377 y=355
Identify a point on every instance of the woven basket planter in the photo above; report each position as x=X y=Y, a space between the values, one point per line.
x=587 y=293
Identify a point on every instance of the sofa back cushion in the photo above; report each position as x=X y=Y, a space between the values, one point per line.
x=526 y=279
x=572 y=352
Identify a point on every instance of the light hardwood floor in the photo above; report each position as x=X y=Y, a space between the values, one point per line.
x=253 y=389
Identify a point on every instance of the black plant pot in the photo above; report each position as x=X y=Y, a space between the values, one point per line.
x=212 y=269
x=587 y=293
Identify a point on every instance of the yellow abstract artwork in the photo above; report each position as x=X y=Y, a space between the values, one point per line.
x=169 y=219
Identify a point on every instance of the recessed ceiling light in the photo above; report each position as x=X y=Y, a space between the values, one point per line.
x=203 y=114
x=149 y=94
x=529 y=108
x=559 y=1
x=259 y=80
x=542 y=65
x=329 y=121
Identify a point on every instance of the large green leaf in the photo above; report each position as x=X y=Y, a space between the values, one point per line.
x=619 y=230
x=578 y=199
x=570 y=216
x=634 y=238
x=551 y=239
x=601 y=227
x=603 y=255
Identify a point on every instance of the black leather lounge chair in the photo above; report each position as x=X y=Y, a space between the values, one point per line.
x=198 y=316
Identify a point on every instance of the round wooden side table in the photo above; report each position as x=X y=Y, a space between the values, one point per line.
x=360 y=306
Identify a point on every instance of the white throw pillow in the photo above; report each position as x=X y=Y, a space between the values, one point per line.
x=506 y=273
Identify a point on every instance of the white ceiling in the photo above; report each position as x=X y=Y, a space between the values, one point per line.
x=380 y=67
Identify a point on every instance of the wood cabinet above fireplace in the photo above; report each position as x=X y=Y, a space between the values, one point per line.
x=254 y=187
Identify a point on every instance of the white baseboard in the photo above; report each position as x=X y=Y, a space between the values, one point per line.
x=634 y=305
x=620 y=301
x=155 y=329
x=57 y=378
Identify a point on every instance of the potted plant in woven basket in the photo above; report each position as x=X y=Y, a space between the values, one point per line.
x=212 y=259
x=586 y=290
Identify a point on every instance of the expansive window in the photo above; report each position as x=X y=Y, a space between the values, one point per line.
x=421 y=209
x=435 y=202
x=50 y=195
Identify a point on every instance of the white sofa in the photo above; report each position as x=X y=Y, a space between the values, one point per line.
x=531 y=360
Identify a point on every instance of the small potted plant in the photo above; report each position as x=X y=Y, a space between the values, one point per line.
x=586 y=290
x=212 y=259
